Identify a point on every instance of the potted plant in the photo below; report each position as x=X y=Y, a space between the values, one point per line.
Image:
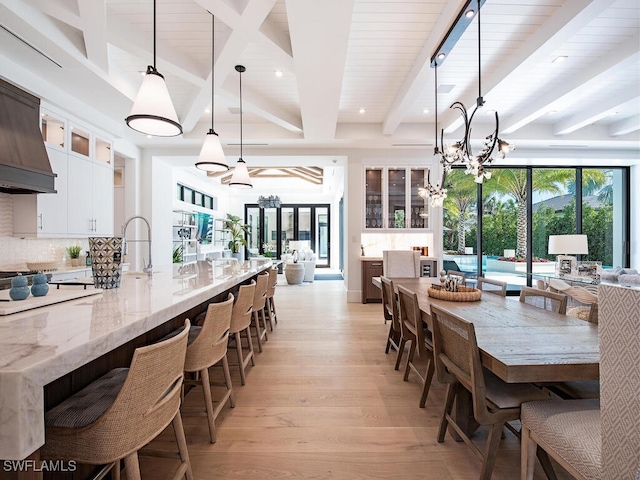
x=237 y=231
x=177 y=254
x=74 y=254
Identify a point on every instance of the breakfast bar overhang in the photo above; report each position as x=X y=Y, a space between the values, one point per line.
x=43 y=346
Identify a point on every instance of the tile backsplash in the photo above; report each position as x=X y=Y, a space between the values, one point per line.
x=15 y=252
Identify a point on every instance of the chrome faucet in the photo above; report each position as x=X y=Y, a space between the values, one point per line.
x=148 y=269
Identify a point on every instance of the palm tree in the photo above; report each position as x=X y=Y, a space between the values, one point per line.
x=461 y=195
x=513 y=182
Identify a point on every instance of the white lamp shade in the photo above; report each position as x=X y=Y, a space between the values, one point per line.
x=240 y=177
x=299 y=245
x=153 y=112
x=568 y=244
x=212 y=157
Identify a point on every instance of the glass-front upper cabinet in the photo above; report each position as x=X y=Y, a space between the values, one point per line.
x=102 y=151
x=53 y=130
x=392 y=200
x=373 y=198
x=80 y=141
x=419 y=213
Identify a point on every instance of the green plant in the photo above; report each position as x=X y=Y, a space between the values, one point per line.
x=177 y=254
x=74 y=251
x=237 y=230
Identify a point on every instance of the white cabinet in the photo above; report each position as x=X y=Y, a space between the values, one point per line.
x=44 y=214
x=90 y=197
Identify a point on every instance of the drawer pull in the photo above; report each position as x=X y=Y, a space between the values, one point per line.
x=376 y=264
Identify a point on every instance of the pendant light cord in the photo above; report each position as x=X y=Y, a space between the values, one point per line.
x=154 y=34
x=435 y=150
x=480 y=100
x=241 y=115
x=213 y=49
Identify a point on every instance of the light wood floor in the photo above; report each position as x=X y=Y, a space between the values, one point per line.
x=324 y=402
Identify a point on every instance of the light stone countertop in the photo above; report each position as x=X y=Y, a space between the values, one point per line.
x=41 y=345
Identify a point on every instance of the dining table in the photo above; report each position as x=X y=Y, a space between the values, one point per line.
x=518 y=342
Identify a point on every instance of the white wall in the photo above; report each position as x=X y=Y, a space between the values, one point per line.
x=635 y=216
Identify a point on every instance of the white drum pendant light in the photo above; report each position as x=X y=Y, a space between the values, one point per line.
x=211 y=157
x=153 y=112
x=240 y=177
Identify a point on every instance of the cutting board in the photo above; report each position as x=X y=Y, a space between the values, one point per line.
x=54 y=296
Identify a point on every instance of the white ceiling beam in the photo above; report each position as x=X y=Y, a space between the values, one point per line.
x=245 y=28
x=420 y=74
x=599 y=109
x=58 y=10
x=262 y=106
x=319 y=53
x=572 y=16
x=93 y=15
x=603 y=67
x=124 y=36
x=628 y=125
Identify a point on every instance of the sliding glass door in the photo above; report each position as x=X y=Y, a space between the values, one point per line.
x=271 y=230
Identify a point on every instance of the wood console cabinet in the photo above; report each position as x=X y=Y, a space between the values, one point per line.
x=370 y=269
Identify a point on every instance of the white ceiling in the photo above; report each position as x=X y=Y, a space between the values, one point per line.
x=338 y=56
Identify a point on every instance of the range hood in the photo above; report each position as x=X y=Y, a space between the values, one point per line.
x=24 y=164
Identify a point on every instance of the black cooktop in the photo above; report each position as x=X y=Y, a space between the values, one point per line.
x=6 y=274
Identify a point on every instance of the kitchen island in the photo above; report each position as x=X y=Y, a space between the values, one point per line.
x=51 y=352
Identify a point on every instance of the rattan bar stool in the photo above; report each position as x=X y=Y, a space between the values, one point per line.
x=270 y=304
x=122 y=411
x=240 y=322
x=207 y=349
x=257 y=310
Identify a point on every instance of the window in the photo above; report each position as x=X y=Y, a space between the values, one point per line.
x=520 y=208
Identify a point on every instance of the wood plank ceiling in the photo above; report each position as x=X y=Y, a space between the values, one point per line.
x=351 y=73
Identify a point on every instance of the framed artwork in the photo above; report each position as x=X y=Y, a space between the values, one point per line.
x=565 y=264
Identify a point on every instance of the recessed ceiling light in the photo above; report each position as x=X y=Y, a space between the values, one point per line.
x=426 y=110
x=278 y=73
x=362 y=110
x=559 y=59
x=469 y=13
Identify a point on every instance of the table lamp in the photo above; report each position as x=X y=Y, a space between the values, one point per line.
x=565 y=245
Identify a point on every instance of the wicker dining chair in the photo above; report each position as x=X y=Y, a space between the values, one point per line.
x=421 y=341
x=458 y=364
x=555 y=302
x=119 y=413
x=390 y=309
x=490 y=285
x=208 y=348
x=257 y=310
x=270 y=304
x=240 y=322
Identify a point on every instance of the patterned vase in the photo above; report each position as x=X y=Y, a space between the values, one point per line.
x=106 y=261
